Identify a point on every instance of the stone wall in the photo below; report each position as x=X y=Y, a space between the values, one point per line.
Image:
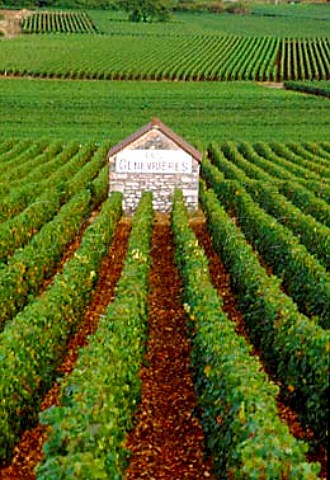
x=162 y=185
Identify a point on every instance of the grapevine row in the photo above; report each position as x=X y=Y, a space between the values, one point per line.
x=63 y=166
x=306 y=201
x=293 y=345
x=314 y=235
x=5 y=146
x=237 y=399
x=301 y=164
x=24 y=274
x=26 y=164
x=280 y=157
x=315 y=88
x=304 y=277
x=121 y=337
x=235 y=166
x=323 y=156
x=58 y=22
x=32 y=345
x=314 y=160
x=14 y=149
x=20 y=165
x=304 y=59
x=26 y=270
x=269 y=158
x=23 y=153
x=263 y=165
x=128 y=57
x=15 y=232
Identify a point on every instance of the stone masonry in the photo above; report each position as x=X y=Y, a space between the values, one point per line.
x=155 y=136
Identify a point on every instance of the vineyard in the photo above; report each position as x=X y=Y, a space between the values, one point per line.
x=76 y=273
x=58 y=22
x=196 y=48
x=168 y=57
x=201 y=111
x=188 y=345
x=301 y=21
x=315 y=88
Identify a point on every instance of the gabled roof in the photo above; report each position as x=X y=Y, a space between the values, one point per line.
x=157 y=124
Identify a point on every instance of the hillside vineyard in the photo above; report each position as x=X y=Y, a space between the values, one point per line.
x=165 y=294
x=46 y=287
x=170 y=57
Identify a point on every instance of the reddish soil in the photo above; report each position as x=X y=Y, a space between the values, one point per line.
x=167 y=442
x=28 y=452
x=71 y=248
x=221 y=281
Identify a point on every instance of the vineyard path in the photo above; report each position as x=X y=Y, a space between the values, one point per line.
x=167 y=440
x=28 y=451
x=221 y=281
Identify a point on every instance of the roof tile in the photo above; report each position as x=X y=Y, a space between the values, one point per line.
x=156 y=123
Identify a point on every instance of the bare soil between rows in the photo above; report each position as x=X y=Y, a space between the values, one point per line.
x=221 y=281
x=274 y=85
x=28 y=452
x=167 y=441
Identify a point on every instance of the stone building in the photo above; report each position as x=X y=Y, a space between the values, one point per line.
x=156 y=159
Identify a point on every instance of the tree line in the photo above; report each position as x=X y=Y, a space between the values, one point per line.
x=137 y=10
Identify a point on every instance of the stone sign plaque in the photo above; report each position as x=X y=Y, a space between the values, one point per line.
x=153 y=161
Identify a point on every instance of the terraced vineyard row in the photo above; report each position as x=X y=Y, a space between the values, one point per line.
x=267 y=210
x=58 y=22
x=195 y=58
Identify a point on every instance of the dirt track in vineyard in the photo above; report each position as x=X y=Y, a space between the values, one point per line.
x=221 y=281
x=167 y=442
x=28 y=452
